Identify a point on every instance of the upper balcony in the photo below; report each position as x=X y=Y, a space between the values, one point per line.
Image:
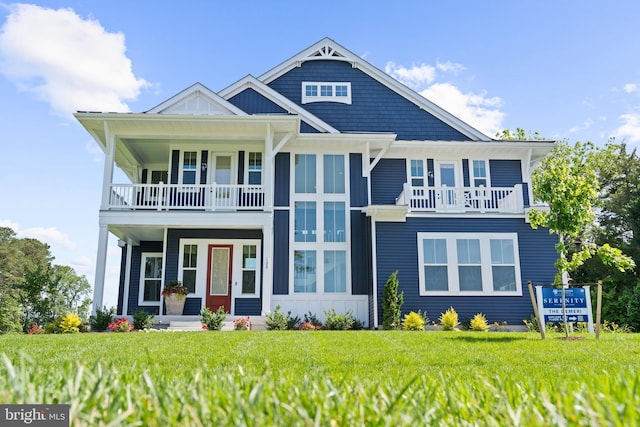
x=463 y=199
x=205 y=197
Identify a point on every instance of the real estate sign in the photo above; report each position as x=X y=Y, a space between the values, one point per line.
x=577 y=305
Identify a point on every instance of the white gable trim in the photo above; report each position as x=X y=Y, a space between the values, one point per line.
x=251 y=82
x=198 y=89
x=329 y=49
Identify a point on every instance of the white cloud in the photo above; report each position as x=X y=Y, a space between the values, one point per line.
x=50 y=235
x=477 y=110
x=69 y=62
x=631 y=88
x=415 y=77
x=450 y=66
x=630 y=130
x=584 y=126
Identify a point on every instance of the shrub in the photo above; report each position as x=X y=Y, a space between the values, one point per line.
x=292 y=321
x=142 y=319
x=213 y=320
x=313 y=319
x=101 y=320
x=70 y=323
x=35 y=329
x=338 y=322
x=307 y=326
x=121 y=325
x=276 y=321
x=242 y=324
x=413 y=322
x=53 y=327
x=449 y=320
x=391 y=303
x=479 y=323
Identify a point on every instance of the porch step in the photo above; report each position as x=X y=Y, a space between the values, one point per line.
x=257 y=323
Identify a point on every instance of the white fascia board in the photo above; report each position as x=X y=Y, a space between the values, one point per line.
x=375 y=140
x=337 y=52
x=197 y=87
x=251 y=82
x=181 y=219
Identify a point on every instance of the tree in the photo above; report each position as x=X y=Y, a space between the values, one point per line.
x=567 y=181
x=618 y=222
x=391 y=303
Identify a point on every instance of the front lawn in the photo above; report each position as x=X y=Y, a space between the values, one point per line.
x=326 y=378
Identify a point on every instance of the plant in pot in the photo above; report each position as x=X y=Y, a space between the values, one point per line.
x=174 y=294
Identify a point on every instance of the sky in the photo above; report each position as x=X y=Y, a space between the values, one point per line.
x=569 y=70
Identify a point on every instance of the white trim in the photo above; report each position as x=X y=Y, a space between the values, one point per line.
x=452 y=263
x=141 y=301
x=246 y=166
x=487 y=169
x=197 y=88
x=319 y=97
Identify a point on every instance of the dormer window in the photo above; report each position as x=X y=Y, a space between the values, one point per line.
x=326 y=92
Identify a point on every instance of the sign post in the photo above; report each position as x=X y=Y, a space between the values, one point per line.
x=577 y=303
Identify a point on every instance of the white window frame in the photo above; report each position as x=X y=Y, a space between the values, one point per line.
x=257 y=269
x=320 y=246
x=452 y=263
x=141 y=301
x=472 y=176
x=246 y=167
x=307 y=99
x=183 y=268
x=181 y=168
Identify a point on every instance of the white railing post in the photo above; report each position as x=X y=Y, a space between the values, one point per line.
x=519 y=198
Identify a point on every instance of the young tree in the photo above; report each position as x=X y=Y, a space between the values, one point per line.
x=567 y=181
x=391 y=303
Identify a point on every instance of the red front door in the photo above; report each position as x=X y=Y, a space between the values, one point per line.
x=219 y=277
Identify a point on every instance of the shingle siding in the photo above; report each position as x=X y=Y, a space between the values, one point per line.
x=251 y=102
x=397 y=250
x=374 y=107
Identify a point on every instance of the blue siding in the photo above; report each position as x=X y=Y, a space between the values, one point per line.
x=466 y=182
x=507 y=173
x=360 y=254
x=134 y=280
x=282 y=180
x=248 y=306
x=281 y=252
x=374 y=108
x=357 y=183
x=397 y=250
x=252 y=102
x=387 y=180
x=307 y=128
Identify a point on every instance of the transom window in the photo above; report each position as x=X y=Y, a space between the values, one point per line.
x=469 y=264
x=326 y=92
x=320 y=224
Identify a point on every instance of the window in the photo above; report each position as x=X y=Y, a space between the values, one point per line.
x=305 y=221
x=151 y=278
x=503 y=265
x=417 y=173
x=335 y=271
x=249 y=268
x=334 y=181
x=189 y=266
x=305 y=173
x=189 y=167
x=159 y=176
x=320 y=227
x=304 y=280
x=254 y=168
x=468 y=264
x=326 y=92
x=479 y=174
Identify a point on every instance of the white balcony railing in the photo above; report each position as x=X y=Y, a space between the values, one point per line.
x=462 y=199
x=194 y=197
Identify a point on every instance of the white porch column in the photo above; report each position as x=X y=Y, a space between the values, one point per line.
x=374 y=272
x=267 y=271
x=127 y=278
x=269 y=167
x=101 y=265
x=109 y=161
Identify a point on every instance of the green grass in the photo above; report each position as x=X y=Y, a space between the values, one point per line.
x=327 y=378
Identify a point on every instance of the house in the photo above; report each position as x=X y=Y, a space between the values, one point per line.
x=306 y=187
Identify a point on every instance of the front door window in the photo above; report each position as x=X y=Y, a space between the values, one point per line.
x=219 y=277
